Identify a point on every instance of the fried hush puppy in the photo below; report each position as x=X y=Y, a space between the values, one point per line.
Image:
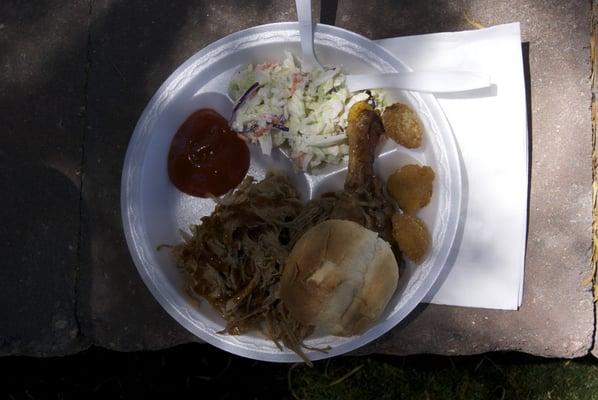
x=403 y=125
x=411 y=235
x=411 y=187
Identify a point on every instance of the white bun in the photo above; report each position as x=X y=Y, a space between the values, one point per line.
x=339 y=276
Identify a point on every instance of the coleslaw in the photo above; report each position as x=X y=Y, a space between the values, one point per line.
x=283 y=103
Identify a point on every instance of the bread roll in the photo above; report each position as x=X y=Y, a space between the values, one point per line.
x=339 y=276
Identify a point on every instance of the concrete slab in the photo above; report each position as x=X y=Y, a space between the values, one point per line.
x=594 y=85
x=136 y=45
x=556 y=318
x=42 y=79
x=131 y=48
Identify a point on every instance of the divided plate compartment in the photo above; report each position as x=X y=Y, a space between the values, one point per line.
x=154 y=211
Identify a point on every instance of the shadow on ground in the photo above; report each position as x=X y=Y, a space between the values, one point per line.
x=201 y=371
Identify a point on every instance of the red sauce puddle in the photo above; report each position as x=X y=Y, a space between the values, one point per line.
x=206 y=157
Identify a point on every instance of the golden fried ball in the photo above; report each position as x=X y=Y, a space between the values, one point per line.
x=402 y=125
x=411 y=235
x=411 y=186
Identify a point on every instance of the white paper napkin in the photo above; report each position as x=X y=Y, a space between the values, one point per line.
x=491 y=132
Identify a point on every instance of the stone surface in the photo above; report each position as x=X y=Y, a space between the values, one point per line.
x=594 y=86
x=556 y=318
x=557 y=256
x=135 y=45
x=130 y=48
x=42 y=80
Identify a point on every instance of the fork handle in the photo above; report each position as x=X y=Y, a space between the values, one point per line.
x=421 y=81
x=306 y=32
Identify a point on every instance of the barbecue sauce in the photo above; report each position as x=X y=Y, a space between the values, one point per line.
x=206 y=158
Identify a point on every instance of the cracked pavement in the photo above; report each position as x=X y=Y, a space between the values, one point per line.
x=74 y=78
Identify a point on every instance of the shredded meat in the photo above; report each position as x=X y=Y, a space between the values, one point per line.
x=234 y=259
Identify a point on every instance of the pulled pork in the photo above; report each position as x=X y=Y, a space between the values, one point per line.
x=235 y=256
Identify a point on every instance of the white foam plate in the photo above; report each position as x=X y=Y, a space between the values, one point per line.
x=154 y=211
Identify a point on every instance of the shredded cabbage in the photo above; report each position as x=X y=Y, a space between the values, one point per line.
x=305 y=110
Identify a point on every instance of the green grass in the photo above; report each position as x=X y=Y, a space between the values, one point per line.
x=195 y=371
x=480 y=377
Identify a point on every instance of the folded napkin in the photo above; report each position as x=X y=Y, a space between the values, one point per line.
x=490 y=127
